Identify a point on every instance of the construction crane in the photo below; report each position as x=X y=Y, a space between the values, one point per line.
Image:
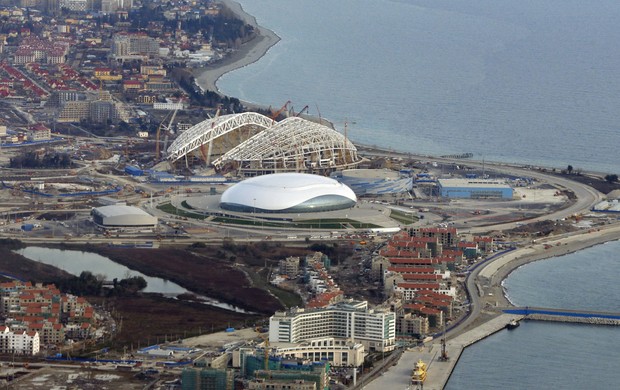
x=305 y=109
x=275 y=115
x=167 y=131
x=265 y=351
x=207 y=158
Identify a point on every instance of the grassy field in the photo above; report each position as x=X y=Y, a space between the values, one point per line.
x=327 y=223
x=288 y=298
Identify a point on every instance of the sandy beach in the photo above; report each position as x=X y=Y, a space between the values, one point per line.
x=249 y=52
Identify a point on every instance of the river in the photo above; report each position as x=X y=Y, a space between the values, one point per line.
x=76 y=262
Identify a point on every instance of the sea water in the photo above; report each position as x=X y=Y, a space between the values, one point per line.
x=547 y=355
x=527 y=81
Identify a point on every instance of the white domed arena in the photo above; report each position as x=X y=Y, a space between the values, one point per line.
x=288 y=193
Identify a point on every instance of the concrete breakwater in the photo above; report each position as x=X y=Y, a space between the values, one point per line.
x=564 y=315
x=577 y=320
x=439 y=370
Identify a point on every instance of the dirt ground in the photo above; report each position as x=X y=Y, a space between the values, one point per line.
x=150 y=318
x=201 y=271
x=596 y=182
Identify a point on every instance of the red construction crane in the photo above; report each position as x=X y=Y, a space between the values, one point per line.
x=277 y=113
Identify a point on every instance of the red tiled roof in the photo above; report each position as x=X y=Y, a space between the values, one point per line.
x=416 y=270
x=419 y=286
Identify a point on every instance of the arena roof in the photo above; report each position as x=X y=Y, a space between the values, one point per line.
x=473 y=183
x=254 y=142
x=288 y=192
x=205 y=132
x=293 y=144
x=122 y=215
x=384 y=174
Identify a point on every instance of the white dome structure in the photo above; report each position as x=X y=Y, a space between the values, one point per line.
x=288 y=193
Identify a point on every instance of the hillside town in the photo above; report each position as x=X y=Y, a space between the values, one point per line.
x=105 y=63
x=155 y=234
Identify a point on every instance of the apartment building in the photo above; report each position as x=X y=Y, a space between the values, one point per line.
x=19 y=342
x=352 y=320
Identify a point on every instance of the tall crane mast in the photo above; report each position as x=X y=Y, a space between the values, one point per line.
x=167 y=130
x=274 y=115
x=305 y=109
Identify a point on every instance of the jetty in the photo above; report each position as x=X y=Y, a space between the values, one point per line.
x=565 y=315
x=438 y=371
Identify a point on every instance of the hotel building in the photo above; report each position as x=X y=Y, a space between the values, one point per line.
x=350 y=320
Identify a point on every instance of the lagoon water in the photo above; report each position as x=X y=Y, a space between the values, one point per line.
x=76 y=262
x=527 y=81
x=517 y=81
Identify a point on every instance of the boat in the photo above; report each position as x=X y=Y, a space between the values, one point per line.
x=418 y=376
x=512 y=324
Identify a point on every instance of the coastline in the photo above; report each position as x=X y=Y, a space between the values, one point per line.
x=249 y=52
x=494 y=273
x=499 y=270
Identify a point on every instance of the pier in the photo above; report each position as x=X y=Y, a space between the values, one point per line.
x=564 y=315
x=438 y=373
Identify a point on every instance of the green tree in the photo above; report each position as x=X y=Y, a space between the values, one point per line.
x=611 y=178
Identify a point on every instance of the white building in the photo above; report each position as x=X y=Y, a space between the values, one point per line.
x=350 y=320
x=19 y=342
x=338 y=352
x=39 y=133
x=171 y=106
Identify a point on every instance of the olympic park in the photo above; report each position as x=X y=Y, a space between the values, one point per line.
x=285 y=170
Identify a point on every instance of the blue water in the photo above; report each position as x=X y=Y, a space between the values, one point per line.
x=527 y=81
x=583 y=280
x=540 y=355
x=517 y=81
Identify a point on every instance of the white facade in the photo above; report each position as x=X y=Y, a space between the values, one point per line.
x=351 y=320
x=282 y=192
x=40 y=134
x=19 y=342
x=169 y=106
x=338 y=352
x=74 y=5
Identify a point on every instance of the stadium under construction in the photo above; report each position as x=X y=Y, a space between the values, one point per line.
x=251 y=144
